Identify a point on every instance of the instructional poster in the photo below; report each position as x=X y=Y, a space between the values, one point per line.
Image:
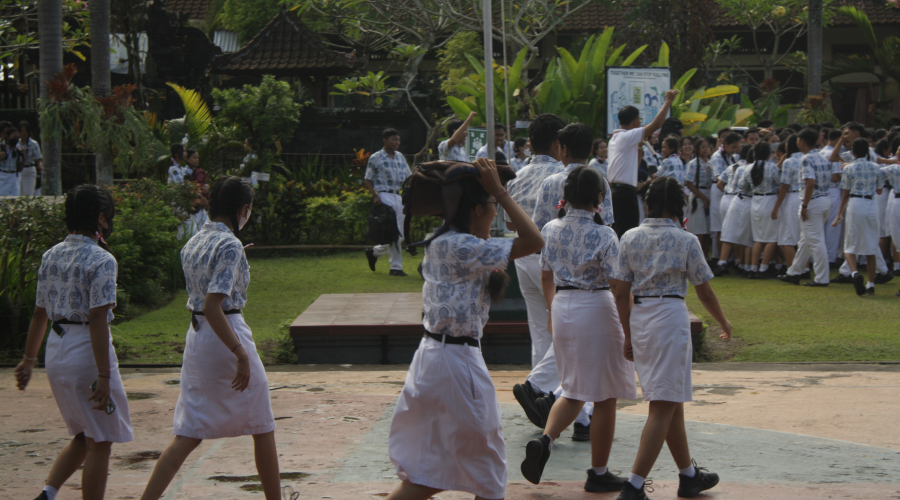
x=643 y=88
x=476 y=138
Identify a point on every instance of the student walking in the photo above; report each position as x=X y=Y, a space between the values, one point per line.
x=576 y=262
x=224 y=388
x=655 y=262
x=385 y=173
x=446 y=432
x=76 y=291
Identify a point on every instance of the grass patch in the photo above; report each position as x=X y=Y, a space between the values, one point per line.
x=777 y=321
x=280 y=289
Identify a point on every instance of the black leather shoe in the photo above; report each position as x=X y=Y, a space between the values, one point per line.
x=370 y=254
x=843 y=279
x=582 y=433
x=896 y=272
x=787 y=278
x=692 y=486
x=42 y=496
x=526 y=396
x=870 y=291
x=537 y=451
x=629 y=492
x=805 y=275
x=815 y=284
x=604 y=482
x=721 y=270
x=543 y=405
x=397 y=272
x=859 y=284
x=751 y=275
x=881 y=279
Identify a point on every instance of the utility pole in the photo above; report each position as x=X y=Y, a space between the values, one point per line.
x=814 y=51
x=51 y=59
x=100 y=79
x=489 y=79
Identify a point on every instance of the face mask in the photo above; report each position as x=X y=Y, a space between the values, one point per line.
x=243 y=220
x=527 y=152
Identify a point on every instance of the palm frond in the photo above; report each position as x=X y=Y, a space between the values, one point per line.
x=862 y=22
x=845 y=65
x=197 y=116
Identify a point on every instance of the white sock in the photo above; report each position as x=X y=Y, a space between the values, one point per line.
x=854 y=273
x=754 y=269
x=636 y=481
x=763 y=268
x=600 y=470
x=550 y=446
x=689 y=471
x=723 y=262
x=51 y=492
x=869 y=284
x=896 y=266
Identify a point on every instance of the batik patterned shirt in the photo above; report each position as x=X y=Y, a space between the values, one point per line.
x=76 y=276
x=456 y=153
x=580 y=252
x=672 y=167
x=771 y=181
x=552 y=191
x=862 y=177
x=386 y=173
x=525 y=187
x=456 y=269
x=32 y=151
x=507 y=150
x=517 y=164
x=718 y=162
x=790 y=172
x=213 y=261
x=599 y=166
x=659 y=258
x=892 y=176
x=699 y=173
x=177 y=173
x=814 y=166
x=731 y=176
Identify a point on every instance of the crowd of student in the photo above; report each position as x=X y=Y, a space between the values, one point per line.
x=20 y=161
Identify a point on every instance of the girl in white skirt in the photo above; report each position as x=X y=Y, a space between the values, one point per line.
x=788 y=202
x=765 y=180
x=861 y=180
x=76 y=290
x=698 y=180
x=892 y=175
x=737 y=235
x=224 y=389
x=446 y=432
x=719 y=161
x=655 y=262
x=577 y=260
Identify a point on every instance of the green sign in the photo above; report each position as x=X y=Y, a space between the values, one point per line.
x=475 y=140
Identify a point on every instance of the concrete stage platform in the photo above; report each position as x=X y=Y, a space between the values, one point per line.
x=385 y=328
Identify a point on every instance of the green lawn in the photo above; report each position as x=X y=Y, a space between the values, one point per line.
x=774 y=321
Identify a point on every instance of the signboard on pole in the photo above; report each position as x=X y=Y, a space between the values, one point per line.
x=643 y=88
x=476 y=138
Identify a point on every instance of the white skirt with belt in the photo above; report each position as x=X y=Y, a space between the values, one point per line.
x=589 y=343
x=861 y=227
x=699 y=222
x=71 y=370
x=446 y=432
x=715 y=210
x=764 y=227
x=736 y=228
x=208 y=408
x=661 y=342
x=788 y=222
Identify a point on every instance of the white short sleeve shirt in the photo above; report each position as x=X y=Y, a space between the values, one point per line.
x=623 y=156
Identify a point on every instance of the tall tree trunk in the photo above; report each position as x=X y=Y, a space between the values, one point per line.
x=50 y=30
x=100 y=80
x=814 y=52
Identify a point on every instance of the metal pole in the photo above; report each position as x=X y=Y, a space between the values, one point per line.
x=505 y=75
x=814 y=40
x=489 y=79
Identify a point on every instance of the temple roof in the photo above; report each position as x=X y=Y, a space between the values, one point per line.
x=191 y=9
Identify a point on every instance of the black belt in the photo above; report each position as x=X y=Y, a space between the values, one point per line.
x=817 y=196
x=9 y=171
x=896 y=195
x=392 y=191
x=794 y=191
x=622 y=185
x=742 y=196
x=196 y=323
x=636 y=297
x=765 y=194
x=865 y=197
x=59 y=329
x=449 y=339
x=584 y=289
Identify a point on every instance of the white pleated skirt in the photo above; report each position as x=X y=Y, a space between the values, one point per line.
x=882 y=200
x=892 y=217
x=861 y=230
x=589 y=343
x=764 y=227
x=736 y=228
x=699 y=222
x=208 y=408
x=724 y=205
x=71 y=370
x=788 y=221
x=446 y=432
x=715 y=209
x=661 y=342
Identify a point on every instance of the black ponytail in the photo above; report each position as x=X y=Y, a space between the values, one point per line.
x=226 y=198
x=83 y=206
x=761 y=152
x=665 y=195
x=583 y=187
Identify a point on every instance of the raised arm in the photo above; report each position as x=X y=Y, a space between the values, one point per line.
x=661 y=116
x=459 y=137
x=529 y=240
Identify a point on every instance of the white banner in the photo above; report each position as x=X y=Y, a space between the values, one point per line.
x=643 y=88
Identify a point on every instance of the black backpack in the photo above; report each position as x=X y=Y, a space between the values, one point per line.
x=382 y=228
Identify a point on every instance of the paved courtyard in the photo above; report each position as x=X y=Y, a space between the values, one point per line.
x=770 y=431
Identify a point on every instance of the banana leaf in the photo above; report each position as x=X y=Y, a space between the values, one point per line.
x=663 y=61
x=742 y=116
x=689 y=117
x=634 y=55
x=730 y=113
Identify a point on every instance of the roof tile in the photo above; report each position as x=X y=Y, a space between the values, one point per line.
x=191 y=9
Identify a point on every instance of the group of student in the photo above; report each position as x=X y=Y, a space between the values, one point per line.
x=20 y=161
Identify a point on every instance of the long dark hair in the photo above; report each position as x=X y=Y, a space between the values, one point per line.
x=665 y=194
x=761 y=152
x=583 y=187
x=473 y=195
x=83 y=206
x=226 y=198
x=792 y=145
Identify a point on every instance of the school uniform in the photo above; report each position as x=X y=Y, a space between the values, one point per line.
x=456 y=153
x=28 y=176
x=507 y=149
x=862 y=178
x=517 y=163
x=600 y=165
x=672 y=167
x=833 y=239
x=718 y=162
x=659 y=258
x=387 y=175
x=524 y=190
x=551 y=192
x=178 y=173
x=446 y=431
x=699 y=173
x=587 y=336
x=730 y=179
x=812 y=230
x=213 y=261
x=76 y=276
x=765 y=195
x=9 y=176
x=192 y=224
x=651 y=156
x=788 y=224
x=892 y=216
x=736 y=227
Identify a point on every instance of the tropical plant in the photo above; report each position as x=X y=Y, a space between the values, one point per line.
x=453 y=64
x=474 y=86
x=19 y=30
x=708 y=111
x=373 y=85
x=817 y=110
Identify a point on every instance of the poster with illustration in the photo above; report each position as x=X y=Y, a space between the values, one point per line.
x=476 y=138
x=643 y=88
